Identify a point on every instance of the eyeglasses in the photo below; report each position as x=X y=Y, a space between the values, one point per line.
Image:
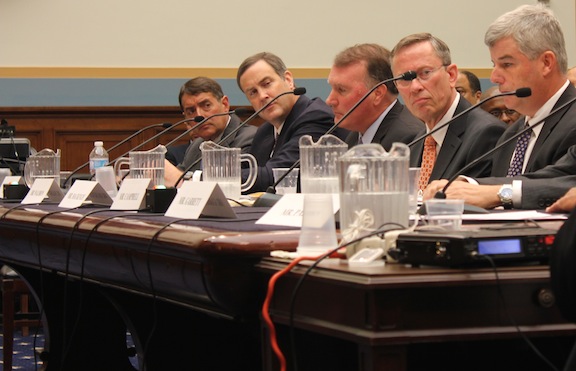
x=500 y=112
x=422 y=75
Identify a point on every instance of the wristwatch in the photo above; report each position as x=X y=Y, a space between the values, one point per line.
x=505 y=195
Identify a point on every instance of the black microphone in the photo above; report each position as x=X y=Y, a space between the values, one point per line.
x=164 y=124
x=442 y=193
x=520 y=93
x=296 y=91
x=408 y=76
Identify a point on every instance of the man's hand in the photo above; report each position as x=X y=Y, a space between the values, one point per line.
x=485 y=196
x=565 y=203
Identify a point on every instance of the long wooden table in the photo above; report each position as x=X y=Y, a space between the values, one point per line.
x=190 y=293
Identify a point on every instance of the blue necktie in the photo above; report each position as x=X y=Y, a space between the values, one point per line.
x=519 y=153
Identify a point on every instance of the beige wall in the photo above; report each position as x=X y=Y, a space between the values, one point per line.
x=220 y=34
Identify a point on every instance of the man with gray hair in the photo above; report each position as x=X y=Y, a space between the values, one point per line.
x=432 y=97
x=527 y=49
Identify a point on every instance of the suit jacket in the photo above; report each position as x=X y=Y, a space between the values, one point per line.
x=241 y=139
x=308 y=116
x=175 y=154
x=557 y=135
x=399 y=125
x=467 y=138
x=563 y=269
x=543 y=187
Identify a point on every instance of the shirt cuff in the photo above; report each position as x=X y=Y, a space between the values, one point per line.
x=517 y=194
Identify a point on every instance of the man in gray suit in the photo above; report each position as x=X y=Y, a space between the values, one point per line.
x=528 y=50
x=432 y=97
x=203 y=96
x=380 y=118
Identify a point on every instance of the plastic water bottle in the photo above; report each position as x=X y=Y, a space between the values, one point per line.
x=98 y=157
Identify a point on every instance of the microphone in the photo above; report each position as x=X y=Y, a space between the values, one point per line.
x=442 y=193
x=164 y=124
x=520 y=93
x=196 y=119
x=408 y=76
x=296 y=91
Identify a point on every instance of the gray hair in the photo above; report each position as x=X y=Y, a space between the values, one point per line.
x=534 y=28
x=440 y=47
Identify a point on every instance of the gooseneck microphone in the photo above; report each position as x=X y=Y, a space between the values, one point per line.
x=520 y=93
x=194 y=119
x=408 y=76
x=296 y=91
x=164 y=125
x=442 y=193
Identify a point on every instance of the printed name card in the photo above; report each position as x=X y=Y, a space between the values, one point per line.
x=11 y=179
x=132 y=194
x=43 y=188
x=83 y=191
x=289 y=209
x=200 y=198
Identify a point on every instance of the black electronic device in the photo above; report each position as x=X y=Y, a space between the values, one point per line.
x=13 y=154
x=504 y=245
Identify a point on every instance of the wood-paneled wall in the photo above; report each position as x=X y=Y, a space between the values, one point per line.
x=74 y=129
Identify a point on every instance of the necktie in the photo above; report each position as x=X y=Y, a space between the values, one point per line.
x=274 y=145
x=519 y=153
x=428 y=160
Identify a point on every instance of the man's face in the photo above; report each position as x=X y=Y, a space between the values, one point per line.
x=348 y=86
x=205 y=104
x=261 y=83
x=430 y=95
x=496 y=107
x=513 y=70
x=463 y=87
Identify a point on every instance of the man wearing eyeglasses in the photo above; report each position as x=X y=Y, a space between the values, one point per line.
x=432 y=97
x=528 y=50
x=202 y=96
x=496 y=107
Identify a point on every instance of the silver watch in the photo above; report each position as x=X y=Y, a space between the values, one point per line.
x=505 y=195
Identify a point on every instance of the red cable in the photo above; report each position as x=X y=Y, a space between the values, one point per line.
x=266 y=306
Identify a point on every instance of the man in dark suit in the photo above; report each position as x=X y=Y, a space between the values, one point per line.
x=380 y=118
x=432 y=98
x=203 y=96
x=544 y=71
x=262 y=77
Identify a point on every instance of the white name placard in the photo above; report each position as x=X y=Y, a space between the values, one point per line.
x=83 y=191
x=131 y=195
x=42 y=189
x=289 y=209
x=200 y=198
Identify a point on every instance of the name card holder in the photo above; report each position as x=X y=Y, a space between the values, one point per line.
x=132 y=194
x=84 y=191
x=289 y=209
x=42 y=189
x=200 y=198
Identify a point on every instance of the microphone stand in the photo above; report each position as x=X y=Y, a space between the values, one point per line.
x=408 y=76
